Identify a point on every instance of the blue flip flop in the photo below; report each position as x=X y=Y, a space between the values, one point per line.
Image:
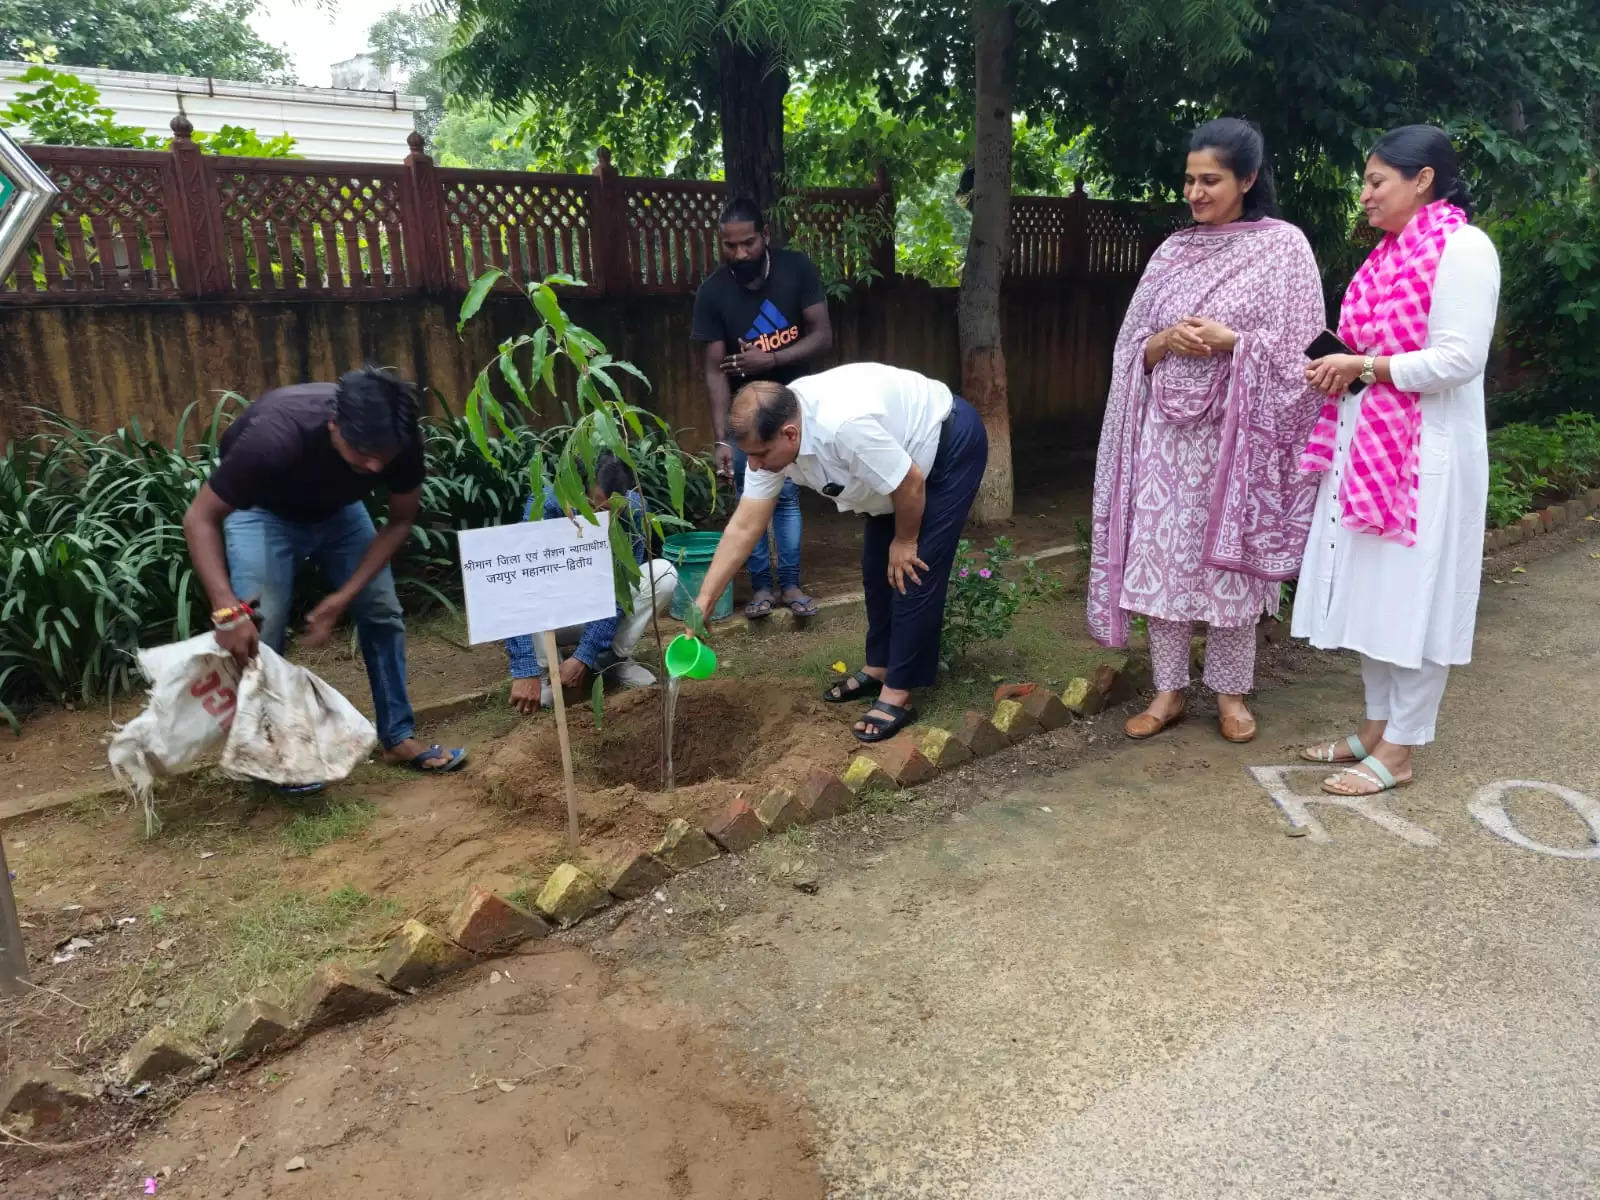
x=457 y=760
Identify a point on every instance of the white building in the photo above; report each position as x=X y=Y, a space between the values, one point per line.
x=331 y=123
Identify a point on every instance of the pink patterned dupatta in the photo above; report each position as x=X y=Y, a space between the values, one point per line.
x=1385 y=312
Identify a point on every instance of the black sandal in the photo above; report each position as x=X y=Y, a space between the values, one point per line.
x=881 y=731
x=867 y=689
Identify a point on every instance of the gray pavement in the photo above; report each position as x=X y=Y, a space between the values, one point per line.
x=1126 y=978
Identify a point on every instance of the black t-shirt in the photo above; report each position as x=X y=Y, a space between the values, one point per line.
x=767 y=318
x=278 y=455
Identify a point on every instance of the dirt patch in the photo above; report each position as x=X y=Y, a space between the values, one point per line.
x=729 y=736
x=550 y=1080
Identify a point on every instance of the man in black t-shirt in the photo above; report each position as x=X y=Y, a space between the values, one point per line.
x=295 y=468
x=762 y=315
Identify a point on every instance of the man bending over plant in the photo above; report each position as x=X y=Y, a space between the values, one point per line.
x=601 y=648
x=295 y=467
x=898 y=448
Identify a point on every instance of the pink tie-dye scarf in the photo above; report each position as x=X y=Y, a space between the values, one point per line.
x=1385 y=312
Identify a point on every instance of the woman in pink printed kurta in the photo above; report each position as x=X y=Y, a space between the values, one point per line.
x=1200 y=509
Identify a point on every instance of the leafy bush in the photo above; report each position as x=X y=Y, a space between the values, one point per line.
x=1550 y=261
x=91 y=541
x=95 y=564
x=983 y=602
x=1532 y=465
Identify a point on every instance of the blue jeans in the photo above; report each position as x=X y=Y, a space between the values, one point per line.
x=785 y=528
x=263 y=551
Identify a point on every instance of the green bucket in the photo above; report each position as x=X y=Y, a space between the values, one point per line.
x=691 y=554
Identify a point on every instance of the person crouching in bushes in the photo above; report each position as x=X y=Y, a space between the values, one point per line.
x=604 y=647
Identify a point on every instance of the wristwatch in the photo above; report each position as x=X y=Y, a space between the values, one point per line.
x=1368 y=370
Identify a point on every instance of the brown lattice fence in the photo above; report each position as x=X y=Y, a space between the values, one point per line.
x=142 y=224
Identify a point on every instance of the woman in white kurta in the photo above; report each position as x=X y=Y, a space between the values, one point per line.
x=1395 y=553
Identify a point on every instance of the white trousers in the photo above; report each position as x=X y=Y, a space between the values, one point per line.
x=1406 y=697
x=630 y=626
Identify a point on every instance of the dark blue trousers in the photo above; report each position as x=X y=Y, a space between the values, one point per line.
x=903 y=630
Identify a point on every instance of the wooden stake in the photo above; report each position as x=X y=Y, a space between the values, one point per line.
x=552 y=660
x=13 y=957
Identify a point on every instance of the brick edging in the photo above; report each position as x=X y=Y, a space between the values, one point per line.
x=1545 y=520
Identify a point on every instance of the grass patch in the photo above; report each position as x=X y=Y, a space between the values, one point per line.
x=878 y=801
x=310 y=831
x=264 y=946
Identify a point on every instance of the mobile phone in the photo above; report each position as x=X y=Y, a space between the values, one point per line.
x=1327 y=342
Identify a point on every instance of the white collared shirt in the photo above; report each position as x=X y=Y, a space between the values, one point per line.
x=862 y=425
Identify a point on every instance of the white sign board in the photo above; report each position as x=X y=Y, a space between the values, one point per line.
x=536 y=575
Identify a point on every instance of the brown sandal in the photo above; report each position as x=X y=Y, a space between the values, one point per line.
x=1144 y=726
x=1238 y=730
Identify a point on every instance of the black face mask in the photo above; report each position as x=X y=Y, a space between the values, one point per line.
x=747 y=270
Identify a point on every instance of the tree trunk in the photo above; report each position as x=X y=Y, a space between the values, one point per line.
x=983 y=359
x=753 y=87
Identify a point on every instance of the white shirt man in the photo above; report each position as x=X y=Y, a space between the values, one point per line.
x=897 y=447
x=862 y=428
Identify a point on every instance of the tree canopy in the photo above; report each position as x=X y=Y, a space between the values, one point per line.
x=173 y=37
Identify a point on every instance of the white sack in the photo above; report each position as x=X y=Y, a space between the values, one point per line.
x=279 y=722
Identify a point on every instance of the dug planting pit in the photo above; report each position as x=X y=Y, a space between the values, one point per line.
x=729 y=737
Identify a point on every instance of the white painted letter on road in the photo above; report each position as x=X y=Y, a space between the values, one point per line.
x=1297 y=808
x=1489 y=809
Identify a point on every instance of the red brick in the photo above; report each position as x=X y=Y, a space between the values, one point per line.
x=335 y=994
x=1084 y=699
x=485 y=922
x=683 y=847
x=902 y=761
x=1014 y=691
x=736 y=827
x=941 y=748
x=824 y=796
x=1011 y=719
x=1547 y=519
x=1046 y=708
x=631 y=873
x=978 y=734
x=780 y=809
x=1531 y=524
x=864 y=775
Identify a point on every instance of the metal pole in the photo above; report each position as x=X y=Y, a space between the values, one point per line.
x=13 y=955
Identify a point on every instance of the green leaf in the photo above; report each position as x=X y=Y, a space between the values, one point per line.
x=513 y=378
x=675 y=481
x=481 y=286
x=549 y=308
x=597 y=701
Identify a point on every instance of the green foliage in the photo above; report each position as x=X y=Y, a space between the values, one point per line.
x=91 y=543
x=983 y=602
x=62 y=110
x=1550 y=304
x=172 y=37
x=94 y=563
x=246 y=143
x=1534 y=465
x=412 y=42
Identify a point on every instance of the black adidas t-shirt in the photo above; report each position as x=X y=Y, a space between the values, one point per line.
x=767 y=318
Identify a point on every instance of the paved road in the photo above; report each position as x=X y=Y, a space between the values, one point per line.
x=1126 y=979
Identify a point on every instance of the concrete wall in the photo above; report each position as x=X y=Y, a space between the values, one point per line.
x=102 y=364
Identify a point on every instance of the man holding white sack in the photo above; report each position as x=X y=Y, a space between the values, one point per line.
x=295 y=469
x=604 y=647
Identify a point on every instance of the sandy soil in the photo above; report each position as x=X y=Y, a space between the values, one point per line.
x=542 y=1079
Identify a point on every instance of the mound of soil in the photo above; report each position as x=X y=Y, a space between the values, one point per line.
x=729 y=736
